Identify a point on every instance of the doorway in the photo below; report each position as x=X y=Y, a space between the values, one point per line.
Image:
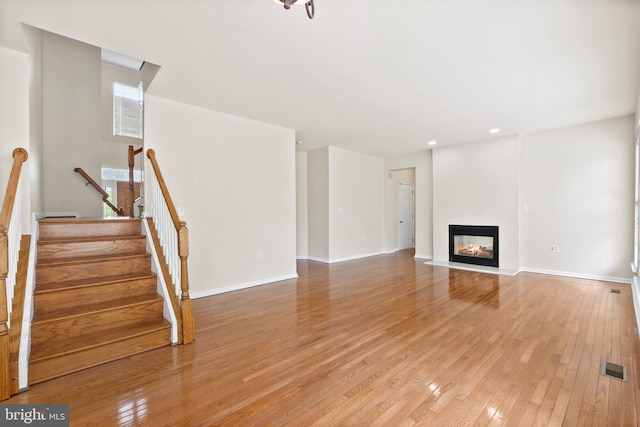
x=400 y=222
x=406 y=207
x=124 y=197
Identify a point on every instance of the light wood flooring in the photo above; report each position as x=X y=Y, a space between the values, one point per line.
x=383 y=341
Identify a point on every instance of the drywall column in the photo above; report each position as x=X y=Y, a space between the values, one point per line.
x=318 y=204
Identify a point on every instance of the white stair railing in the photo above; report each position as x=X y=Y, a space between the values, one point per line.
x=167 y=233
x=10 y=236
x=173 y=237
x=14 y=234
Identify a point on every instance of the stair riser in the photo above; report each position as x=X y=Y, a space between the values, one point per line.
x=68 y=250
x=42 y=370
x=92 y=269
x=93 y=323
x=67 y=229
x=48 y=303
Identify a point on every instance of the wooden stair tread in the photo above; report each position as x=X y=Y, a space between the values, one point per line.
x=88 y=239
x=101 y=281
x=44 y=351
x=95 y=298
x=80 y=260
x=81 y=310
x=70 y=220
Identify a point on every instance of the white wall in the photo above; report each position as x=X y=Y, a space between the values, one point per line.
x=302 y=216
x=14 y=122
x=478 y=184
x=356 y=204
x=70 y=124
x=235 y=179
x=421 y=162
x=578 y=183
x=33 y=40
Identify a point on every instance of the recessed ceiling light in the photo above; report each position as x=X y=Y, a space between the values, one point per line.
x=299 y=142
x=433 y=142
x=494 y=130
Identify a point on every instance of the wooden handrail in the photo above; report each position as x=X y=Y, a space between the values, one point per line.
x=151 y=154
x=20 y=155
x=188 y=323
x=105 y=195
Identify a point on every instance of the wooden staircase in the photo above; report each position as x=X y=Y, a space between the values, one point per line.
x=95 y=298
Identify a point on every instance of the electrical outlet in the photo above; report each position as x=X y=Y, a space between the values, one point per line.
x=260 y=256
x=554 y=249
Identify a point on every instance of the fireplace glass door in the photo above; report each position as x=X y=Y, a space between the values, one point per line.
x=476 y=246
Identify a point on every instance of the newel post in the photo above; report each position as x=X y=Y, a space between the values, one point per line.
x=5 y=380
x=188 y=323
x=131 y=160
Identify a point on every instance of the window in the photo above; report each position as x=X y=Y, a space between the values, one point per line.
x=127 y=110
x=111 y=174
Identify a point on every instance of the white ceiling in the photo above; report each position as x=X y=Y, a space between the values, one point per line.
x=372 y=76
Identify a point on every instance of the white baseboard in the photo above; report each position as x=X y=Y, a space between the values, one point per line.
x=422 y=256
x=216 y=291
x=577 y=275
x=354 y=257
x=349 y=258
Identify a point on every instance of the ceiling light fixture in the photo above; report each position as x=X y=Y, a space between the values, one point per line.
x=433 y=142
x=311 y=10
x=494 y=130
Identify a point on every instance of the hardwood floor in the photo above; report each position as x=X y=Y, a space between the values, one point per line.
x=383 y=341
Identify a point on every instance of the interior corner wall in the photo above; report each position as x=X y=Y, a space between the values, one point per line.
x=71 y=73
x=302 y=216
x=14 y=123
x=422 y=163
x=578 y=185
x=318 y=204
x=478 y=184
x=345 y=204
x=235 y=180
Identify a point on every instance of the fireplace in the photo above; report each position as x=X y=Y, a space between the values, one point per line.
x=474 y=244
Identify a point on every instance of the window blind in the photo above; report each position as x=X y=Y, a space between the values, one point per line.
x=127 y=110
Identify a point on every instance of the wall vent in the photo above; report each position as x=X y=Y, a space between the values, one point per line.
x=614 y=370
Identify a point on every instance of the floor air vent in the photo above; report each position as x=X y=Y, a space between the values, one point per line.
x=615 y=291
x=614 y=371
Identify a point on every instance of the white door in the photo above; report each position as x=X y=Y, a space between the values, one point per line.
x=405 y=216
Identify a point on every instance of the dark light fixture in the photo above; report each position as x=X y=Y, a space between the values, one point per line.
x=308 y=5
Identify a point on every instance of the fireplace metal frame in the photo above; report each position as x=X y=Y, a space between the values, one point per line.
x=475 y=230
